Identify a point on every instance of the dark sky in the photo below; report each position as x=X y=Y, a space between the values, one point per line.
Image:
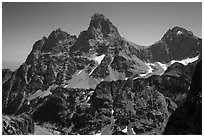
x=142 y=23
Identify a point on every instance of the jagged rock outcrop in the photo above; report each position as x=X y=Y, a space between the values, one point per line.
x=187 y=119
x=17 y=125
x=98 y=38
x=143 y=105
x=175 y=82
x=6 y=74
x=113 y=104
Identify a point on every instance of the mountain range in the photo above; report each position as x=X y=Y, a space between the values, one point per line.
x=101 y=83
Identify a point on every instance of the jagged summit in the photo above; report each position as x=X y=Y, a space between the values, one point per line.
x=100 y=35
x=103 y=26
x=98 y=16
x=57 y=40
x=97 y=19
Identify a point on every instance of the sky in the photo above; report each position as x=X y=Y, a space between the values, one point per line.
x=142 y=23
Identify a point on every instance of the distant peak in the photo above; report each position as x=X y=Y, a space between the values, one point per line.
x=176 y=31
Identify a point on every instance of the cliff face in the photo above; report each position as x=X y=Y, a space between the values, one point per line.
x=102 y=83
x=187 y=119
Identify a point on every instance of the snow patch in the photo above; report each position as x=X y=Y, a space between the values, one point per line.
x=98 y=134
x=179 y=32
x=91 y=92
x=133 y=131
x=149 y=70
x=112 y=111
x=136 y=77
x=99 y=58
x=88 y=98
x=79 y=72
x=164 y=66
x=28 y=103
x=92 y=71
x=125 y=130
x=65 y=86
x=186 y=61
x=142 y=75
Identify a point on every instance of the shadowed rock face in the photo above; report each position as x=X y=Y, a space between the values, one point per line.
x=178 y=39
x=106 y=67
x=187 y=119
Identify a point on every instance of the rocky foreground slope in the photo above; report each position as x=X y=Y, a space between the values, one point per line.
x=100 y=83
x=187 y=119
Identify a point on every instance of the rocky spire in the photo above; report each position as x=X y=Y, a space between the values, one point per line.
x=99 y=24
x=100 y=35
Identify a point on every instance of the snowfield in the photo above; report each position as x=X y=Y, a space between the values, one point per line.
x=125 y=130
x=186 y=61
x=99 y=58
x=164 y=66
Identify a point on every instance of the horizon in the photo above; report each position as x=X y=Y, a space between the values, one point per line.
x=22 y=25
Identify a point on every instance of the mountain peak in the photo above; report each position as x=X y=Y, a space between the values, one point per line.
x=98 y=16
x=98 y=20
x=177 y=31
x=100 y=35
x=100 y=25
